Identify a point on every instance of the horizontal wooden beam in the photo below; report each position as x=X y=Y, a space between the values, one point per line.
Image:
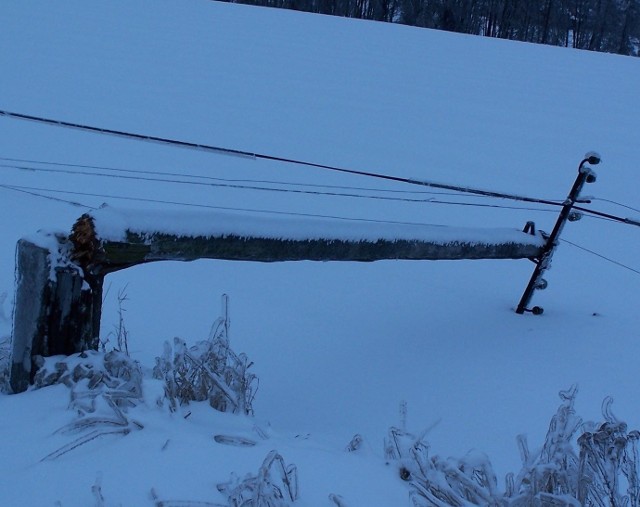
x=103 y=248
x=138 y=249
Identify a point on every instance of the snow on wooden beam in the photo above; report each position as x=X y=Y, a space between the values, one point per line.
x=107 y=240
x=60 y=278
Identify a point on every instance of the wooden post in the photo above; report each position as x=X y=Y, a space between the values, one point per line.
x=56 y=310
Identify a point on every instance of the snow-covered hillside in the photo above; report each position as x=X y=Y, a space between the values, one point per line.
x=338 y=347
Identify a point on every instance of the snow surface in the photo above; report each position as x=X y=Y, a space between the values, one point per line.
x=337 y=346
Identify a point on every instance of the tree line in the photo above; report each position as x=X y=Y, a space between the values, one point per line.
x=611 y=26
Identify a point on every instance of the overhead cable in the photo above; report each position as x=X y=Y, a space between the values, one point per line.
x=213 y=178
x=617 y=263
x=196 y=205
x=252 y=155
x=616 y=203
x=615 y=218
x=25 y=190
x=267 y=189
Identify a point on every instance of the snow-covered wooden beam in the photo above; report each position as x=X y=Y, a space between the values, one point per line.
x=107 y=240
x=60 y=277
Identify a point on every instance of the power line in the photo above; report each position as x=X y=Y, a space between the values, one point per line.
x=615 y=218
x=195 y=205
x=269 y=189
x=617 y=263
x=24 y=190
x=604 y=219
x=229 y=180
x=252 y=155
x=616 y=203
x=219 y=185
x=129 y=135
x=593 y=213
x=424 y=201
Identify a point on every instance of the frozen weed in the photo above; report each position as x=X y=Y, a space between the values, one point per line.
x=275 y=485
x=355 y=444
x=121 y=332
x=337 y=500
x=559 y=475
x=208 y=370
x=608 y=462
x=102 y=388
x=96 y=490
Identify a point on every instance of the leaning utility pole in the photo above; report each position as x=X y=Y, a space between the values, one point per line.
x=543 y=261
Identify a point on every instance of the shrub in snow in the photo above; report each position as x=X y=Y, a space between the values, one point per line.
x=596 y=473
x=608 y=463
x=208 y=370
x=102 y=388
x=92 y=373
x=356 y=443
x=275 y=485
x=120 y=331
x=441 y=482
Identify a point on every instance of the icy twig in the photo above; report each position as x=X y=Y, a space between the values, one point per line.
x=185 y=503
x=103 y=386
x=96 y=489
x=262 y=490
x=81 y=441
x=338 y=500
x=355 y=444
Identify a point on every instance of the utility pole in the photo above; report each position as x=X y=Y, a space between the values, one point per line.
x=543 y=261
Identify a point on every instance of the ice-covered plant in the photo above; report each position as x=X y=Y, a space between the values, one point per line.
x=608 y=463
x=601 y=471
x=441 y=482
x=102 y=388
x=275 y=485
x=208 y=370
x=120 y=330
x=551 y=475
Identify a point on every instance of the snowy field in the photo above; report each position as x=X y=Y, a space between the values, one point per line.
x=338 y=347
